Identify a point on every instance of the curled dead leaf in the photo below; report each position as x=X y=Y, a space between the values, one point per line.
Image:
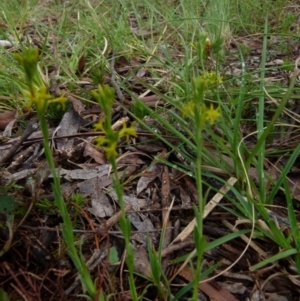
x=6 y=117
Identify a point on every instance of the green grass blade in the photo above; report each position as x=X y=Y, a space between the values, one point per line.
x=278 y=256
x=260 y=118
x=295 y=154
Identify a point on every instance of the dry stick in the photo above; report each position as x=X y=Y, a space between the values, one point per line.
x=54 y=88
x=113 y=79
x=19 y=292
x=166 y=208
x=92 y=263
x=180 y=246
x=90 y=134
x=83 y=212
x=32 y=127
x=20 y=289
x=97 y=230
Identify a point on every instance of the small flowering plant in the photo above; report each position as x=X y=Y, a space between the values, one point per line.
x=39 y=96
x=196 y=109
x=105 y=97
x=200 y=114
x=35 y=90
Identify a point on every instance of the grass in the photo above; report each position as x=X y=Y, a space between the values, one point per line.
x=183 y=48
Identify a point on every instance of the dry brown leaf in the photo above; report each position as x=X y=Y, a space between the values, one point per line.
x=89 y=150
x=76 y=103
x=8 y=130
x=255 y=44
x=149 y=148
x=166 y=208
x=151 y=100
x=211 y=289
x=6 y=117
x=165 y=191
x=69 y=125
x=81 y=64
x=101 y=206
x=141 y=72
x=191 y=187
x=147 y=177
x=123 y=64
x=141 y=262
x=276 y=297
x=185 y=198
x=234 y=287
x=140 y=221
x=130 y=159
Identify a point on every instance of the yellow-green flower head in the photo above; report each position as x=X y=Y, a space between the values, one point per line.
x=37 y=94
x=196 y=108
x=41 y=98
x=212 y=114
x=208 y=79
x=111 y=150
x=189 y=109
x=111 y=138
x=28 y=59
x=105 y=96
x=204 y=113
x=62 y=100
x=127 y=132
x=99 y=125
x=101 y=140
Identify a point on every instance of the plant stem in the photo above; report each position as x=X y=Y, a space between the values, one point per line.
x=67 y=228
x=125 y=227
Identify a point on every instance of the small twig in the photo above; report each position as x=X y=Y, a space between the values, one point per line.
x=97 y=230
x=32 y=127
x=90 y=134
x=25 y=216
x=83 y=212
x=92 y=263
x=180 y=246
x=20 y=289
x=54 y=88
x=113 y=79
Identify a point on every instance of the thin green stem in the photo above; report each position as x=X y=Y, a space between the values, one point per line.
x=198 y=231
x=125 y=227
x=67 y=228
x=260 y=119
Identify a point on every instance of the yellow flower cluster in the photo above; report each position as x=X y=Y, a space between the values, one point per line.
x=196 y=108
x=209 y=79
x=36 y=93
x=105 y=97
x=210 y=113
x=111 y=138
x=40 y=97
